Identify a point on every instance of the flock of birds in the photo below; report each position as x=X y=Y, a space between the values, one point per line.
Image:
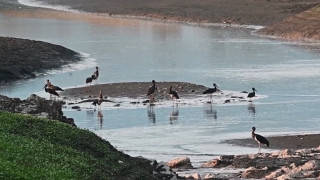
x=52 y=90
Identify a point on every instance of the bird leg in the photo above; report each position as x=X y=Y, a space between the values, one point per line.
x=259 y=148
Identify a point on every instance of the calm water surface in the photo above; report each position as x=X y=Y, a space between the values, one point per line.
x=287 y=75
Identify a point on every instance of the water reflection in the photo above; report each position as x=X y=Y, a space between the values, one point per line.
x=90 y=114
x=210 y=113
x=174 y=115
x=151 y=114
x=252 y=110
x=100 y=118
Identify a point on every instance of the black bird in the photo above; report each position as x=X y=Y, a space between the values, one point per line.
x=48 y=85
x=56 y=88
x=260 y=139
x=211 y=90
x=253 y=93
x=51 y=91
x=173 y=94
x=99 y=100
x=95 y=75
x=89 y=80
x=151 y=90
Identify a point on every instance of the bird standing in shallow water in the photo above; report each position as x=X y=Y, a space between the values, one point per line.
x=173 y=94
x=260 y=139
x=211 y=90
x=99 y=100
x=253 y=93
x=151 y=90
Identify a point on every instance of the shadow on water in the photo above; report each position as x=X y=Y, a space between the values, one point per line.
x=210 y=113
x=174 y=115
x=151 y=114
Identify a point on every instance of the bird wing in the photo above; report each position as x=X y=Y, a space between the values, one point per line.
x=57 y=88
x=210 y=90
x=151 y=90
x=262 y=140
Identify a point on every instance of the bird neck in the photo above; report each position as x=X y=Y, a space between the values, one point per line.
x=253 y=134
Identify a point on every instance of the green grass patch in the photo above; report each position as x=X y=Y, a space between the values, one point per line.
x=34 y=148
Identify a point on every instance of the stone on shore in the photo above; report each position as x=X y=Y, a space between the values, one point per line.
x=183 y=162
x=36 y=106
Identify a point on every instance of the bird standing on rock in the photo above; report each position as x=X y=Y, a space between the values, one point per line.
x=260 y=139
x=51 y=89
x=151 y=90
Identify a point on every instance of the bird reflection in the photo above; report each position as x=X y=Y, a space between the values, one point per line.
x=252 y=109
x=174 y=116
x=90 y=114
x=100 y=118
x=151 y=114
x=210 y=113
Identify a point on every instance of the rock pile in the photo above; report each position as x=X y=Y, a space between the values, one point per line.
x=285 y=164
x=37 y=106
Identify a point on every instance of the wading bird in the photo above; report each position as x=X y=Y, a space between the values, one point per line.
x=253 y=93
x=99 y=100
x=211 y=90
x=173 y=94
x=88 y=81
x=260 y=139
x=95 y=75
x=151 y=90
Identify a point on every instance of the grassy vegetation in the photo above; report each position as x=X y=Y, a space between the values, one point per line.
x=34 y=148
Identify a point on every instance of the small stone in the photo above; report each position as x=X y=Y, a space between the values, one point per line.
x=213 y=163
x=208 y=176
x=180 y=162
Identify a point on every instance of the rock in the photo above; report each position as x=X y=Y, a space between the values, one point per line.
x=163 y=171
x=208 y=176
x=252 y=172
x=311 y=165
x=180 y=162
x=75 y=107
x=196 y=176
x=213 y=163
x=275 y=174
x=36 y=106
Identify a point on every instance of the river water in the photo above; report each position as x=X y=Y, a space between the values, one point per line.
x=286 y=75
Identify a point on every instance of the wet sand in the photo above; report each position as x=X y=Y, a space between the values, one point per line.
x=300 y=141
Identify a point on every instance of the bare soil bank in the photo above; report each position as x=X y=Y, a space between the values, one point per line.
x=22 y=58
x=250 y=12
x=300 y=27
